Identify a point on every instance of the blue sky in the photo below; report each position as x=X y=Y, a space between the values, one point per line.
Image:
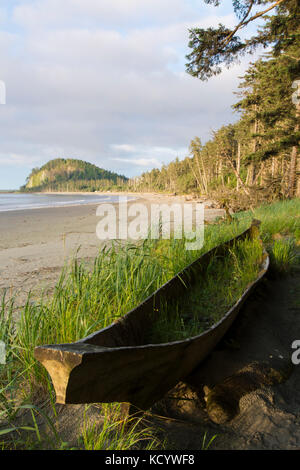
x=105 y=81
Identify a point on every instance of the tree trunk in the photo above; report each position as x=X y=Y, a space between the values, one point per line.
x=251 y=168
x=292 y=173
x=259 y=174
x=238 y=166
x=237 y=175
x=298 y=177
x=221 y=171
x=195 y=176
x=205 y=180
x=293 y=185
x=250 y=175
x=273 y=167
x=202 y=174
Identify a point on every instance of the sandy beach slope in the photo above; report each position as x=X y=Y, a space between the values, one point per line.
x=35 y=244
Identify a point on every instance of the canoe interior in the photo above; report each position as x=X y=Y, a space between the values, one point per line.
x=114 y=364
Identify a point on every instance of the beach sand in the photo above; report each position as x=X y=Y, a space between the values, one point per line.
x=35 y=244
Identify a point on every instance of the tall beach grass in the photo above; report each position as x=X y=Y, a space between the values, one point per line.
x=87 y=299
x=215 y=292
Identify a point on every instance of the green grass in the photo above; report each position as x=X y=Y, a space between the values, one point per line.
x=280 y=232
x=281 y=217
x=86 y=300
x=283 y=256
x=119 y=434
x=215 y=292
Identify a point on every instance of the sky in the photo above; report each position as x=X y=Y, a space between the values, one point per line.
x=105 y=81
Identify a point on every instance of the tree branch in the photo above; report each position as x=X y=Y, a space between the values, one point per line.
x=243 y=23
x=228 y=38
x=291 y=57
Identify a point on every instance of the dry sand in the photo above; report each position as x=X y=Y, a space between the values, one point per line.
x=35 y=244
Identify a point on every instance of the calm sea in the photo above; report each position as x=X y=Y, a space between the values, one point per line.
x=13 y=202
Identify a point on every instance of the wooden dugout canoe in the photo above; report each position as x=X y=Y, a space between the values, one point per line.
x=114 y=364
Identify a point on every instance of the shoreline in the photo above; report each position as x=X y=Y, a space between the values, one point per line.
x=131 y=196
x=150 y=194
x=62 y=204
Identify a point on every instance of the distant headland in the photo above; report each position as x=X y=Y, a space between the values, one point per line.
x=71 y=175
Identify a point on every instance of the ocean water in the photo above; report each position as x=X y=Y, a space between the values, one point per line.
x=13 y=202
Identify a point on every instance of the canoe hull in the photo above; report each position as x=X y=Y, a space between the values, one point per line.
x=100 y=368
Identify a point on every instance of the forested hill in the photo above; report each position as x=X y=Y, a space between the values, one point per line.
x=71 y=175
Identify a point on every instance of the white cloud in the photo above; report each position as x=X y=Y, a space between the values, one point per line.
x=148 y=162
x=41 y=13
x=145 y=157
x=105 y=81
x=3 y=15
x=19 y=160
x=123 y=147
